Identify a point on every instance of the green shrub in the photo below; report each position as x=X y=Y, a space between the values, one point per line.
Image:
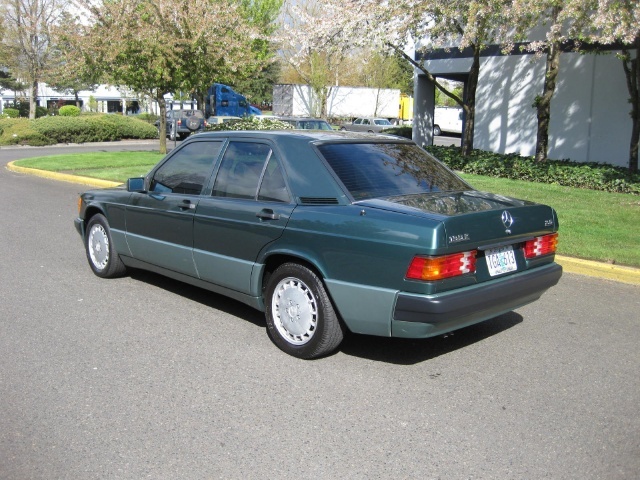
x=251 y=123
x=19 y=131
x=594 y=176
x=11 y=112
x=401 y=131
x=147 y=117
x=93 y=128
x=69 y=111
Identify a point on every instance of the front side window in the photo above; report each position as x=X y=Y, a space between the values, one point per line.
x=188 y=170
x=241 y=170
x=382 y=170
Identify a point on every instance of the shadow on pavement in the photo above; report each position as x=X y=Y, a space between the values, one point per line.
x=382 y=349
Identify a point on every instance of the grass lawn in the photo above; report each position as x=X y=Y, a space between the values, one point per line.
x=593 y=225
x=114 y=166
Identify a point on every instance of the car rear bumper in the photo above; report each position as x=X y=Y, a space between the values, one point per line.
x=417 y=316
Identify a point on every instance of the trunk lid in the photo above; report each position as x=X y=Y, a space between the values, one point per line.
x=474 y=219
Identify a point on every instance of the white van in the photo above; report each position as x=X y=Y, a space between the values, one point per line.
x=447 y=119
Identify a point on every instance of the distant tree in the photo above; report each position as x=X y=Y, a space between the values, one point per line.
x=28 y=40
x=564 y=22
x=312 y=42
x=341 y=25
x=382 y=69
x=69 y=73
x=443 y=100
x=618 y=21
x=258 y=87
x=163 y=46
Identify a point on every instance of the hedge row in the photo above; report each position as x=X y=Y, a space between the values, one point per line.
x=594 y=176
x=251 y=123
x=80 y=129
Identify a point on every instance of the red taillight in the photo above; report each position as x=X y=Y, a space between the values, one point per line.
x=540 y=246
x=446 y=266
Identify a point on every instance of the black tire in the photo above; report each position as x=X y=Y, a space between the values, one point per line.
x=436 y=130
x=103 y=259
x=301 y=320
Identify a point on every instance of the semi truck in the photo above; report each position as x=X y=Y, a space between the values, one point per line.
x=341 y=102
x=222 y=100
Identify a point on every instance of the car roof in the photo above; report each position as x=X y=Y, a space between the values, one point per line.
x=304 y=135
x=302 y=119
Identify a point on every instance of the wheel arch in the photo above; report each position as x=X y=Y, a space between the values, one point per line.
x=275 y=259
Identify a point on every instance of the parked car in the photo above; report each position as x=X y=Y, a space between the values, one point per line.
x=326 y=232
x=181 y=123
x=364 y=124
x=306 y=123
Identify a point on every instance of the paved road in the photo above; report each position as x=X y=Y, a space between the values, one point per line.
x=143 y=377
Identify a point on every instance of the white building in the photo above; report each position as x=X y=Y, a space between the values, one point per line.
x=104 y=99
x=590 y=119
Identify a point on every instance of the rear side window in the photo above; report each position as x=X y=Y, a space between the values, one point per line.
x=375 y=170
x=241 y=169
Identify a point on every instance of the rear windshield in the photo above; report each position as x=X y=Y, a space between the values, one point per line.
x=375 y=170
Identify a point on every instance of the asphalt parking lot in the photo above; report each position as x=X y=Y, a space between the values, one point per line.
x=143 y=377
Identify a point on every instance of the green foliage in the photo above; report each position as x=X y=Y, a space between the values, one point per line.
x=11 y=112
x=401 y=131
x=20 y=131
x=594 y=176
x=80 y=129
x=252 y=123
x=22 y=109
x=148 y=117
x=69 y=111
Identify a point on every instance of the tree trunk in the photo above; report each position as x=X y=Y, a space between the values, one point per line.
x=162 y=106
x=469 y=105
x=632 y=73
x=33 y=100
x=543 y=102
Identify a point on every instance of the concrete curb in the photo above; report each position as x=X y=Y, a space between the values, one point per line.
x=572 y=265
x=617 y=273
x=63 y=177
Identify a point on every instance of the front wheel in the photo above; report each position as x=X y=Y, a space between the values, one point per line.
x=103 y=258
x=436 y=130
x=301 y=320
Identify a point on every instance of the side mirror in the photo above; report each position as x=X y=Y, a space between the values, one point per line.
x=136 y=184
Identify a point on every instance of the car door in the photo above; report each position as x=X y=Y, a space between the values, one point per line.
x=159 y=222
x=248 y=208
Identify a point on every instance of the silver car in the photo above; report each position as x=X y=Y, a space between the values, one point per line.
x=367 y=124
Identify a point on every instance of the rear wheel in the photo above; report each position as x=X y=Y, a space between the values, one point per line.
x=436 y=130
x=301 y=319
x=101 y=254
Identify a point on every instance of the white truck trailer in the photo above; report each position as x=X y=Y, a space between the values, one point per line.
x=341 y=102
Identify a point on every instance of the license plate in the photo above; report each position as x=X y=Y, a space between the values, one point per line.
x=500 y=260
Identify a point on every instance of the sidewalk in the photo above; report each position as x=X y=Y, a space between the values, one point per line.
x=571 y=265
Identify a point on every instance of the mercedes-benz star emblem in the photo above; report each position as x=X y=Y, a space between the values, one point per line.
x=507 y=219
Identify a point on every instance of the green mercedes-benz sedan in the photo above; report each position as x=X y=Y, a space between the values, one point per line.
x=326 y=232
